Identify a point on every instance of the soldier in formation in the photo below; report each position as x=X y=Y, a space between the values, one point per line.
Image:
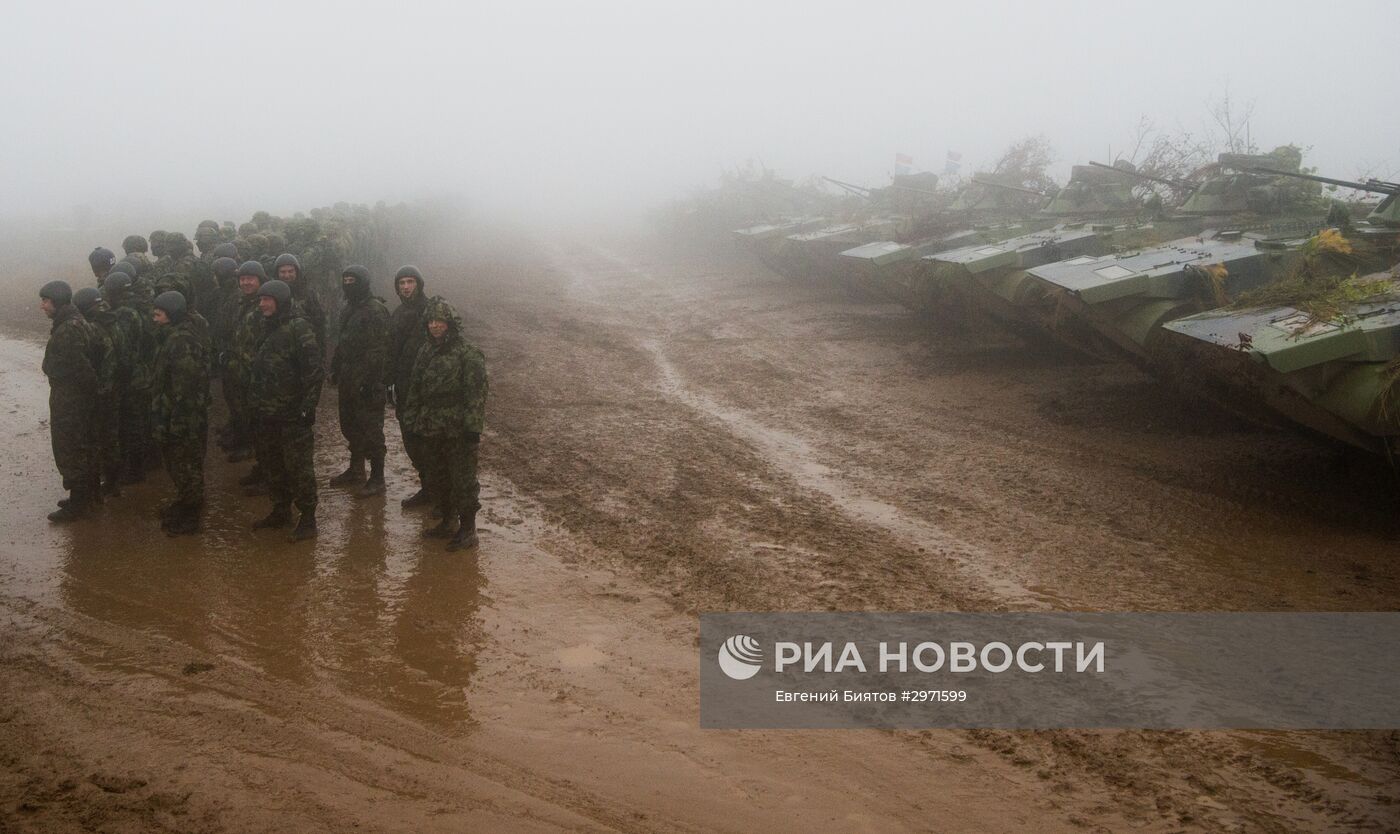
x=284 y=386
x=357 y=371
x=131 y=361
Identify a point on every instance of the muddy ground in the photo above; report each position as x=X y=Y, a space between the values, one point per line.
x=673 y=431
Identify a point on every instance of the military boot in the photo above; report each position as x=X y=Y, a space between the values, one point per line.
x=75 y=509
x=417 y=499
x=305 y=529
x=442 y=530
x=375 y=484
x=465 y=537
x=280 y=516
x=353 y=474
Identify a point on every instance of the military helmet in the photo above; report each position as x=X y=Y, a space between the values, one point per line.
x=225 y=268
x=173 y=303
x=157 y=242
x=226 y=250
x=101 y=257
x=208 y=224
x=116 y=284
x=84 y=298
x=125 y=267
x=287 y=259
x=275 y=241
x=134 y=243
x=177 y=244
x=277 y=291
x=252 y=268
x=58 y=292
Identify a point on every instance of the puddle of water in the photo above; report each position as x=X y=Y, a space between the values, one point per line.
x=1278 y=747
x=369 y=608
x=581 y=657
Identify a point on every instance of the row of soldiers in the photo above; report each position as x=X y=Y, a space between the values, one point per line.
x=130 y=364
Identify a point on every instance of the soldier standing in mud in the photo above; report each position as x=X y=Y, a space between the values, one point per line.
x=248 y=328
x=71 y=362
x=133 y=318
x=406 y=335
x=284 y=388
x=288 y=270
x=357 y=371
x=112 y=379
x=180 y=409
x=447 y=409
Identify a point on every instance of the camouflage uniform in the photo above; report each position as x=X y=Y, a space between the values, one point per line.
x=180 y=282
x=358 y=372
x=284 y=386
x=113 y=377
x=447 y=408
x=72 y=358
x=133 y=317
x=180 y=415
x=247 y=333
x=406 y=335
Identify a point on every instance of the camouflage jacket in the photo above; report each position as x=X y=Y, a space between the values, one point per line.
x=363 y=350
x=115 y=371
x=145 y=267
x=139 y=338
x=73 y=354
x=223 y=310
x=309 y=306
x=284 y=381
x=406 y=335
x=180 y=384
x=447 y=395
x=249 y=327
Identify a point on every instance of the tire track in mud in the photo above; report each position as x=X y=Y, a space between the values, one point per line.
x=794 y=457
x=788 y=453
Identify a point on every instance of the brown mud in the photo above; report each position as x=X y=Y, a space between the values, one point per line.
x=671 y=433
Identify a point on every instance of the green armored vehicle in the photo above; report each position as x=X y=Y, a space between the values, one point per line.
x=984 y=212
x=1096 y=191
x=768 y=240
x=905 y=210
x=990 y=275
x=1331 y=372
x=1127 y=297
x=1238 y=187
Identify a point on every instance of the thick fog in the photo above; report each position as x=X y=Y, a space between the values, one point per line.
x=591 y=110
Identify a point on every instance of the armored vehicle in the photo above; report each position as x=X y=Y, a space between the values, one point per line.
x=1331 y=370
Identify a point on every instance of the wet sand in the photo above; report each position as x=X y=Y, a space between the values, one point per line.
x=671 y=433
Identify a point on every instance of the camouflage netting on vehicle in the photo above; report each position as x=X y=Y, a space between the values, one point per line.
x=1324 y=282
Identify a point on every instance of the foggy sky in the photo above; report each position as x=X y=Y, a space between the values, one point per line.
x=591 y=109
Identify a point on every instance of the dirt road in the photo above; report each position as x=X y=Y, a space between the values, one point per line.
x=672 y=432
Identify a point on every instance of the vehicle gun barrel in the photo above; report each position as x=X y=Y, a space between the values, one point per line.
x=1374 y=186
x=1141 y=175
